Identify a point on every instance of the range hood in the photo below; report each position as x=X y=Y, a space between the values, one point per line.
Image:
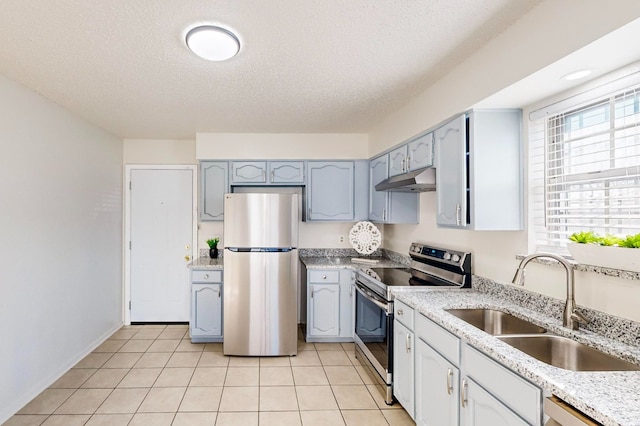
x=421 y=180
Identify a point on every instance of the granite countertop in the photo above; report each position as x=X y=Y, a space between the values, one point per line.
x=206 y=263
x=611 y=398
x=314 y=262
x=343 y=262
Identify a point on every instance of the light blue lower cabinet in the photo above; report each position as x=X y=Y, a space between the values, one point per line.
x=480 y=408
x=206 y=308
x=330 y=304
x=455 y=384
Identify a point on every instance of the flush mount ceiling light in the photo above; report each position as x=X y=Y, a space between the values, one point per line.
x=212 y=43
x=576 y=75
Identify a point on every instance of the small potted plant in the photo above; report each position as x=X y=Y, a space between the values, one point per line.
x=213 y=247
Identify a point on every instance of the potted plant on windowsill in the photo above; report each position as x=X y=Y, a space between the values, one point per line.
x=606 y=251
x=213 y=247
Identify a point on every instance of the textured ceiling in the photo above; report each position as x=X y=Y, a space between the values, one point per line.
x=304 y=65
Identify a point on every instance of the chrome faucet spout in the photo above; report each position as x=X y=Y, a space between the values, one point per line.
x=571 y=317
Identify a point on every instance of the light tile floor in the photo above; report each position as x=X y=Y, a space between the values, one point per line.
x=153 y=375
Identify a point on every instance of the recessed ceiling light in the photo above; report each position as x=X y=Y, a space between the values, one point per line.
x=213 y=43
x=576 y=75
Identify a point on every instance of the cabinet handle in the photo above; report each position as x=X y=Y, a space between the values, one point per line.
x=403 y=168
x=351 y=290
x=273 y=174
x=206 y=276
x=408 y=162
x=408 y=343
x=384 y=214
x=400 y=312
x=217 y=291
x=324 y=277
x=458 y=218
x=449 y=381
x=463 y=393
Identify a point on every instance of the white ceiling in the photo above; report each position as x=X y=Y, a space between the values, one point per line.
x=304 y=66
x=614 y=51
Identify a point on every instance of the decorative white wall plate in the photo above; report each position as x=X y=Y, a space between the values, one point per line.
x=365 y=237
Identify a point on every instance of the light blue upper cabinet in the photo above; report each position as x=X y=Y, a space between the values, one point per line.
x=417 y=154
x=451 y=173
x=479 y=173
x=387 y=206
x=286 y=172
x=248 y=172
x=214 y=181
x=378 y=200
x=267 y=172
x=398 y=161
x=330 y=190
x=420 y=152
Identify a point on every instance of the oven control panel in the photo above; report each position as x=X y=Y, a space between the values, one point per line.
x=434 y=252
x=428 y=252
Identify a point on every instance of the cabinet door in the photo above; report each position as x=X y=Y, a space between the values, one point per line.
x=420 y=152
x=214 y=177
x=480 y=408
x=403 y=366
x=248 y=172
x=378 y=200
x=436 y=398
x=324 y=310
x=286 y=172
x=206 y=310
x=398 y=161
x=451 y=173
x=347 y=296
x=330 y=191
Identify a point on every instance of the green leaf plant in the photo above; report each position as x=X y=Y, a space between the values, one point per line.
x=213 y=242
x=588 y=237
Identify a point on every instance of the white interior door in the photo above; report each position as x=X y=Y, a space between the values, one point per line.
x=161 y=235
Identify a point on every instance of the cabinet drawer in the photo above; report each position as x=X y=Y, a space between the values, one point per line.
x=440 y=339
x=206 y=276
x=514 y=391
x=324 y=276
x=403 y=313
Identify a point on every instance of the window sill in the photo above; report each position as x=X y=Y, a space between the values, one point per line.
x=618 y=273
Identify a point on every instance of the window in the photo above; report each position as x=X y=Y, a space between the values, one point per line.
x=585 y=170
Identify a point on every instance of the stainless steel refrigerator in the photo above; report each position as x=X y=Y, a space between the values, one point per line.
x=260 y=274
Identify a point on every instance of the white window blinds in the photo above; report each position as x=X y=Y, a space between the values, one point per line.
x=585 y=170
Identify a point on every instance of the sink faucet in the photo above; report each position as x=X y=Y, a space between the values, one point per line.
x=571 y=317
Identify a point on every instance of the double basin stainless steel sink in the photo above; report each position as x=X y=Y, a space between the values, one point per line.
x=535 y=341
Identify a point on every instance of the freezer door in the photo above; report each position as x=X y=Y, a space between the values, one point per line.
x=260 y=220
x=260 y=310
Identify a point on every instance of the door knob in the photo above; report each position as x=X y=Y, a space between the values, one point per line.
x=187 y=258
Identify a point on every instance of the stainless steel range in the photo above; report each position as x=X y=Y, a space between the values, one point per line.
x=430 y=266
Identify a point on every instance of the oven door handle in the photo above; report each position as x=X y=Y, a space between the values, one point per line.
x=369 y=296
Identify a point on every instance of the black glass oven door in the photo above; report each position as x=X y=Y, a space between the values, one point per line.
x=373 y=327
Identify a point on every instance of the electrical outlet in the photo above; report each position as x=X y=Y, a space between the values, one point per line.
x=341 y=238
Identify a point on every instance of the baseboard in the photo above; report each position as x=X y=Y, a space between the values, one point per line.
x=13 y=407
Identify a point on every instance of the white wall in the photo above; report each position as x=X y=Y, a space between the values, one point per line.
x=536 y=40
x=282 y=146
x=159 y=151
x=61 y=244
